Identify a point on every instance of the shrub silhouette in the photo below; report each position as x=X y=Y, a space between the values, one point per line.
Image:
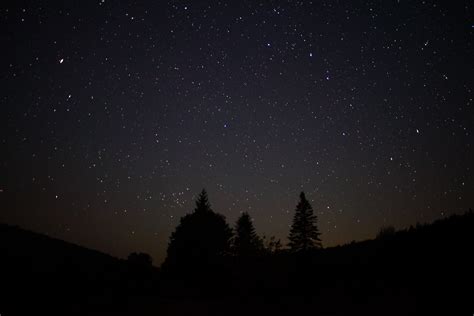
x=271 y=245
x=140 y=259
x=201 y=237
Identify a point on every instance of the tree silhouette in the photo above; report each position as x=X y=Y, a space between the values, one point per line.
x=246 y=242
x=304 y=234
x=200 y=238
x=386 y=232
x=140 y=259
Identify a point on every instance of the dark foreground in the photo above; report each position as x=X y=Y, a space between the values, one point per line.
x=427 y=270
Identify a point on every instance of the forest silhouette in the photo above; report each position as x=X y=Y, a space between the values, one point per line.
x=215 y=268
x=203 y=236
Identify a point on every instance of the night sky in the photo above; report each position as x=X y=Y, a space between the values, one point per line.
x=115 y=115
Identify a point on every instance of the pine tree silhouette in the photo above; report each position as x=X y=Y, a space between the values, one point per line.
x=304 y=234
x=200 y=238
x=246 y=242
x=202 y=203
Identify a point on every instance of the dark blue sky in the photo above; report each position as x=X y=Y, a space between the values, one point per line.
x=115 y=115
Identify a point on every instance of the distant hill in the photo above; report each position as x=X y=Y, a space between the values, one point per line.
x=46 y=253
x=40 y=268
x=445 y=241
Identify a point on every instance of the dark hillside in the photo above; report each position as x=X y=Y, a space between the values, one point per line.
x=52 y=274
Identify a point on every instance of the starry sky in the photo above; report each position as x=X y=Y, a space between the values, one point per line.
x=115 y=114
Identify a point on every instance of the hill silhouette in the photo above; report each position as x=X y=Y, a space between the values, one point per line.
x=52 y=274
x=426 y=269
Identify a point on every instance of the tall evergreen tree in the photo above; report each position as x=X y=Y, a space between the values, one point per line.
x=304 y=233
x=200 y=238
x=246 y=242
x=202 y=203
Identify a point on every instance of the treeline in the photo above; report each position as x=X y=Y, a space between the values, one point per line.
x=204 y=236
x=211 y=266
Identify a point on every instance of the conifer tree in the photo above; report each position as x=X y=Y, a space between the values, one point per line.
x=202 y=203
x=304 y=233
x=200 y=238
x=246 y=242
